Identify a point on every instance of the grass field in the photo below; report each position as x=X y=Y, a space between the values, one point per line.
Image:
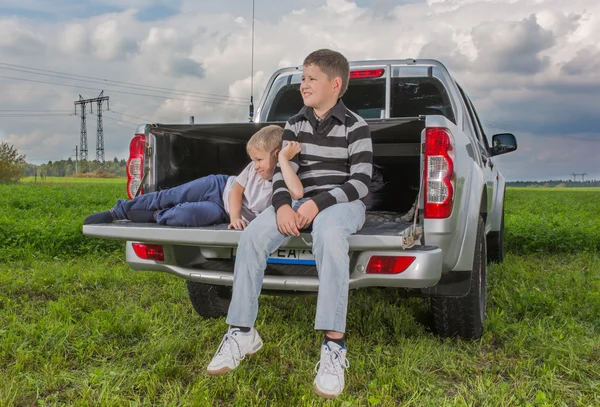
x=78 y=327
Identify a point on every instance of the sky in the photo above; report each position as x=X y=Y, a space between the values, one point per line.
x=531 y=67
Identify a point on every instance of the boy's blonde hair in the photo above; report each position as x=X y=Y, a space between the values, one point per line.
x=267 y=139
x=332 y=63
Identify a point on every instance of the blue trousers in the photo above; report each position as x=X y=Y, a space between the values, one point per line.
x=196 y=203
x=330 y=232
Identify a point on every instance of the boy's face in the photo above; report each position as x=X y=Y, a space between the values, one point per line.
x=318 y=91
x=264 y=162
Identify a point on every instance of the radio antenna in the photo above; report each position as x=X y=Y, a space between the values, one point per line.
x=252 y=70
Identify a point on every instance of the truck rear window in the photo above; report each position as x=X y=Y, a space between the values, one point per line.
x=410 y=97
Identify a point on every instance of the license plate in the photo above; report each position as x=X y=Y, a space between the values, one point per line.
x=292 y=256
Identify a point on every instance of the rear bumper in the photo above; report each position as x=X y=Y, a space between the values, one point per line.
x=425 y=271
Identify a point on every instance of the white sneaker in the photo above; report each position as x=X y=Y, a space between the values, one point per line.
x=232 y=350
x=329 y=382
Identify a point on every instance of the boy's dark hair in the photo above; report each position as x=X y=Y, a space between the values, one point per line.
x=332 y=63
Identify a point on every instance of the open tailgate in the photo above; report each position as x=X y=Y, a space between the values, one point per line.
x=373 y=235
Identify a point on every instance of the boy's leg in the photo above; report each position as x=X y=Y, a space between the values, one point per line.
x=331 y=229
x=192 y=214
x=258 y=240
x=209 y=188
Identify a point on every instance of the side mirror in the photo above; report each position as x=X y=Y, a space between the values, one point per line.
x=503 y=143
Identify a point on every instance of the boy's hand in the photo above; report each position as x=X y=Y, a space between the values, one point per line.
x=286 y=221
x=290 y=150
x=306 y=213
x=238 y=224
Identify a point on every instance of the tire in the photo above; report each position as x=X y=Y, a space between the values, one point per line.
x=209 y=301
x=495 y=244
x=464 y=317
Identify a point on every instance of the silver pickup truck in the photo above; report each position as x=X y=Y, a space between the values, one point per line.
x=431 y=228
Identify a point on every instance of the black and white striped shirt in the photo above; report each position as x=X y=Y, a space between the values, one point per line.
x=335 y=163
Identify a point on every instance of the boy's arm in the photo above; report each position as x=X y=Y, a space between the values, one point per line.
x=236 y=197
x=281 y=193
x=292 y=182
x=360 y=151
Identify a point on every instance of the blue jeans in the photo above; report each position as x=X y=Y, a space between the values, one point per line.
x=330 y=232
x=196 y=203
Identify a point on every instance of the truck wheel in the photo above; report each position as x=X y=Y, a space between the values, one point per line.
x=209 y=301
x=464 y=316
x=495 y=244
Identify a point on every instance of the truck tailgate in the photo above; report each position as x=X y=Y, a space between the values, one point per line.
x=373 y=235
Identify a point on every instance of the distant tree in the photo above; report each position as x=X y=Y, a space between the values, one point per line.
x=11 y=164
x=30 y=170
x=69 y=169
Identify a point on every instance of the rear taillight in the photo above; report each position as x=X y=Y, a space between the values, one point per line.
x=366 y=73
x=149 y=251
x=135 y=164
x=439 y=173
x=389 y=264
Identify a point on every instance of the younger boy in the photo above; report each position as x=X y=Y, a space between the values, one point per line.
x=212 y=199
x=334 y=167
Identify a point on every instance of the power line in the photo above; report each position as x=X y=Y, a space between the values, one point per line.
x=143 y=88
x=507 y=127
x=122 y=92
x=579 y=138
x=118 y=125
x=122 y=121
x=128 y=115
x=37 y=115
x=106 y=81
x=34 y=110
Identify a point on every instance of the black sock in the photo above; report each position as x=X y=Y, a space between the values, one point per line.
x=244 y=329
x=100 y=217
x=341 y=341
x=141 y=216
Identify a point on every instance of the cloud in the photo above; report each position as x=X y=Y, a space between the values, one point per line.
x=551 y=157
x=513 y=46
x=16 y=39
x=169 y=50
x=74 y=38
x=586 y=61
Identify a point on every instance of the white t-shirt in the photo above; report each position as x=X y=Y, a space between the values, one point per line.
x=257 y=192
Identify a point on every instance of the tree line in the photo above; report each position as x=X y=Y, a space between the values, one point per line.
x=13 y=167
x=555 y=184
x=68 y=168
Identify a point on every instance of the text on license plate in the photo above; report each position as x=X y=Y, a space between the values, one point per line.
x=292 y=256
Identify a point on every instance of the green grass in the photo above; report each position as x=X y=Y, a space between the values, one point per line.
x=90 y=331
x=78 y=327
x=544 y=221
x=45 y=220
x=542 y=189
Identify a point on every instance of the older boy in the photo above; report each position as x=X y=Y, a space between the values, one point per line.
x=335 y=166
x=212 y=199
